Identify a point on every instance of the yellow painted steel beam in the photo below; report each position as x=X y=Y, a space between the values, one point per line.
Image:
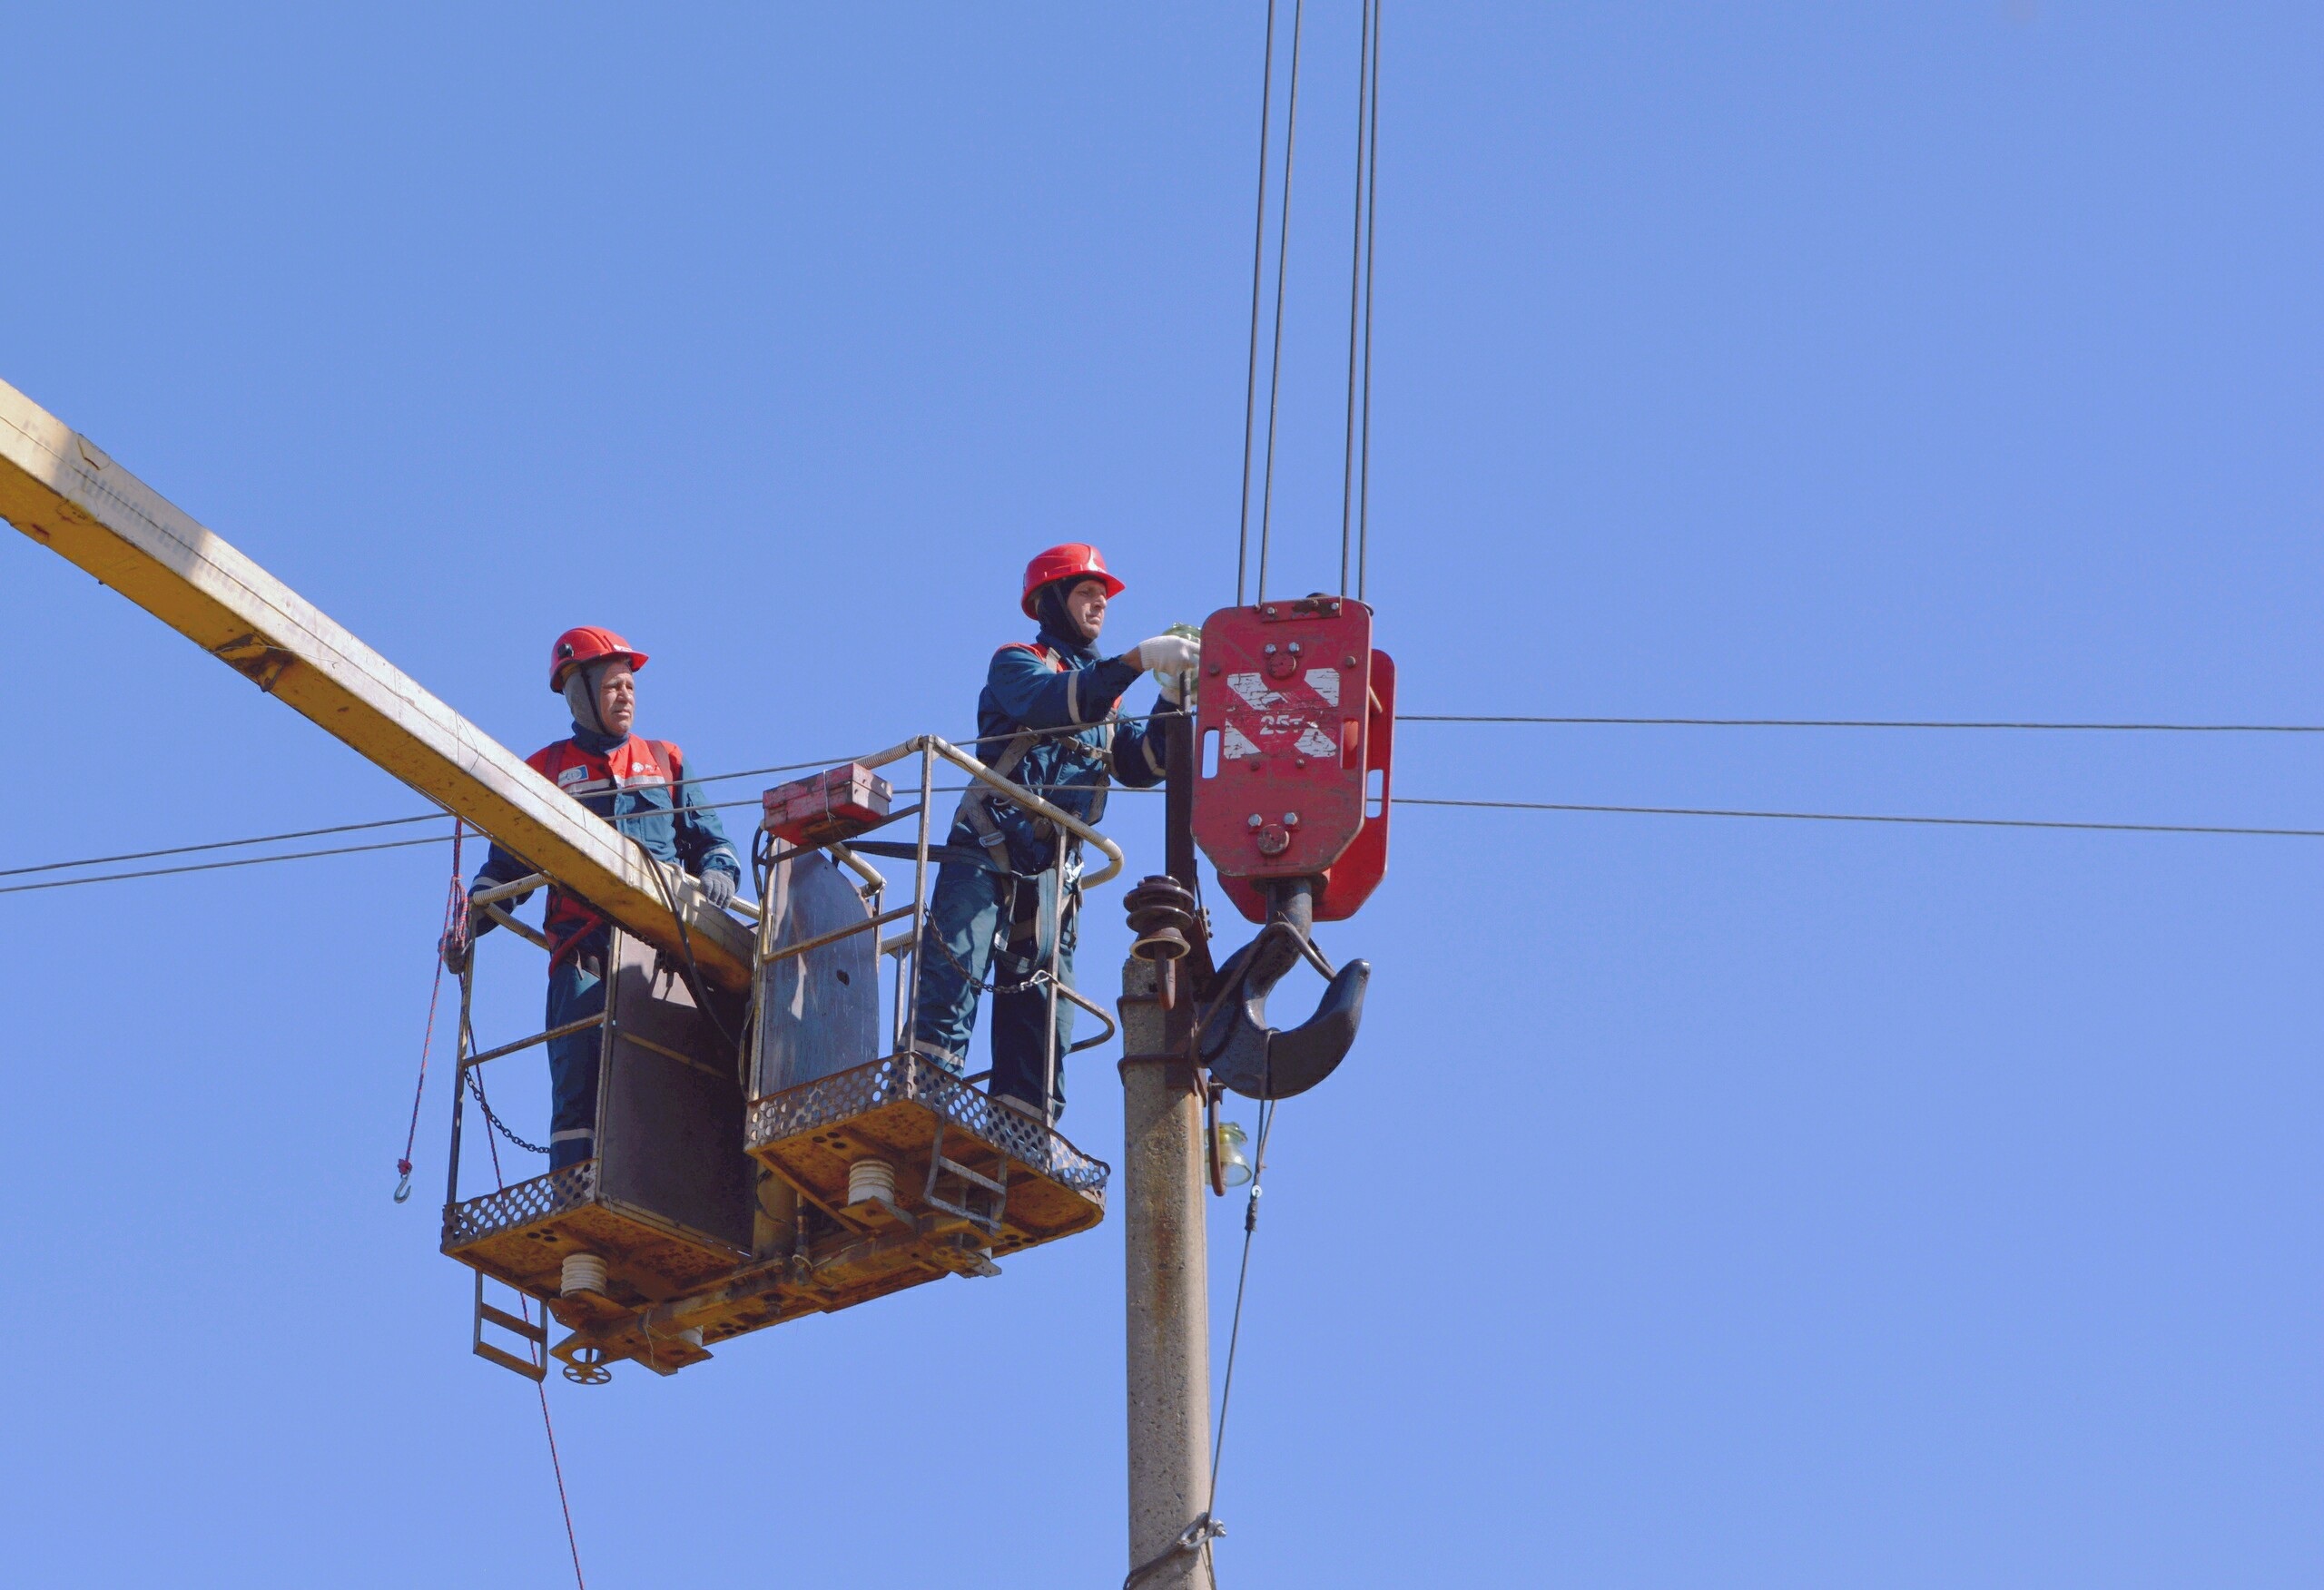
x=62 y=490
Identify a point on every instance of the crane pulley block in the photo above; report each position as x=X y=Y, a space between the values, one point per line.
x=1296 y=719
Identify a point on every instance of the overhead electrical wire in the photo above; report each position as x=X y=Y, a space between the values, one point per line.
x=344 y=828
x=1872 y=723
x=221 y=865
x=2241 y=831
x=2000 y=823
x=424 y=816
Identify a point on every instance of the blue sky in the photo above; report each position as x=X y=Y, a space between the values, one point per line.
x=1710 y=1202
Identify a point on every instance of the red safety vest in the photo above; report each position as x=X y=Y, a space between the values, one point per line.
x=635 y=761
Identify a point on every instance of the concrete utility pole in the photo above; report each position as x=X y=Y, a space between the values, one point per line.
x=1166 y=1248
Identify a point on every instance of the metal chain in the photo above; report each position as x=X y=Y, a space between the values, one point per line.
x=476 y=1091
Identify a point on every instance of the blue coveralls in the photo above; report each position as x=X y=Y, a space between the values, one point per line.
x=997 y=889
x=682 y=832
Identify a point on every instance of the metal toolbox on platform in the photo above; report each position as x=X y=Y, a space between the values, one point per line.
x=824 y=807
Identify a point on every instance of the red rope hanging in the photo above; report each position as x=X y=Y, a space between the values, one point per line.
x=455 y=924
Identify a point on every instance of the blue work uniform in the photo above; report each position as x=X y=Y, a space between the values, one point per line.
x=1002 y=885
x=639 y=786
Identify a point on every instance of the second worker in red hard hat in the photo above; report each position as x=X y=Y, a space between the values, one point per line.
x=1047 y=720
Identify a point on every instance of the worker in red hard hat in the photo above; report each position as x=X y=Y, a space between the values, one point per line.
x=1047 y=720
x=639 y=786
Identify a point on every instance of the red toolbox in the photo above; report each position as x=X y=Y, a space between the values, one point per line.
x=825 y=808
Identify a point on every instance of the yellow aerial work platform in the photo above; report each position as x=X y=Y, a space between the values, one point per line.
x=680 y=1231
x=761 y=1160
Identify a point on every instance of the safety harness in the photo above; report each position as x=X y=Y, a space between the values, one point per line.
x=978 y=805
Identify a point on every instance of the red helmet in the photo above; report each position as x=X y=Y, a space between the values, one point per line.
x=587 y=645
x=1062 y=562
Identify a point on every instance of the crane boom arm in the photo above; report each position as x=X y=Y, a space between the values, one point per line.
x=60 y=489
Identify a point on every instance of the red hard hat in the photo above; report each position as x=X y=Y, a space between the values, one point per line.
x=1062 y=562
x=587 y=645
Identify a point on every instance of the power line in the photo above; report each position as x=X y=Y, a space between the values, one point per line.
x=1400 y=800
x=345 y=828
x=349 y=827
x=221 y=866
x=1872 y=723
x=2002 y=822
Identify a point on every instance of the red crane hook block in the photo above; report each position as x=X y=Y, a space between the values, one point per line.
x=1296 y=722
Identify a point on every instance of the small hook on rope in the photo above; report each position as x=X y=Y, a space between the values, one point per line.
x=403 y=1187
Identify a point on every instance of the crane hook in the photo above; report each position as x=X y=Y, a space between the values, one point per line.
x=1232 y=1037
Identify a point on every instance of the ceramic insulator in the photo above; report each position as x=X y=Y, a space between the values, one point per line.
x=870 y=1178
x=582 y=1272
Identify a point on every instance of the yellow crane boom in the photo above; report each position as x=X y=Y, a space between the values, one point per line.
x=62 y=490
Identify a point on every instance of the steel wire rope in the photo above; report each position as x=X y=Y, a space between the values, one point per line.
x=1281 y=263
x=1359 y=289
x=1371 y=220
x=1258 y=275
x=1355 y=294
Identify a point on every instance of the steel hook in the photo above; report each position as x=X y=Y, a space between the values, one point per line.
x=1232 y=1037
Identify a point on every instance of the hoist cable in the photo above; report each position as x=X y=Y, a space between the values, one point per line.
x=1371 y=220
x=1873 y=723
x=1354 y=295
x=1258 y=275
x=1282 y=261
x=1999 y=822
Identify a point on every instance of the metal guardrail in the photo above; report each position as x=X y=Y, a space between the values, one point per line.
x=903 y=948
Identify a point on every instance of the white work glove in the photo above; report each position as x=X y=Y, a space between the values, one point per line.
x=1169 y=655
x=1172 y=657
x=718 y=887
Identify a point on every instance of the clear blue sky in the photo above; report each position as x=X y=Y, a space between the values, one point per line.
x=1710 y=1202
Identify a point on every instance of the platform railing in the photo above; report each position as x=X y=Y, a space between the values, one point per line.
x=904 y=948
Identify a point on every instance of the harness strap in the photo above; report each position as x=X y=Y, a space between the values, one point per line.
x=978 y=800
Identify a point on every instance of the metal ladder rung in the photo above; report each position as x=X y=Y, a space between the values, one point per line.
x=965 y=1174
x=534 y=1365
x=986 y=1220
